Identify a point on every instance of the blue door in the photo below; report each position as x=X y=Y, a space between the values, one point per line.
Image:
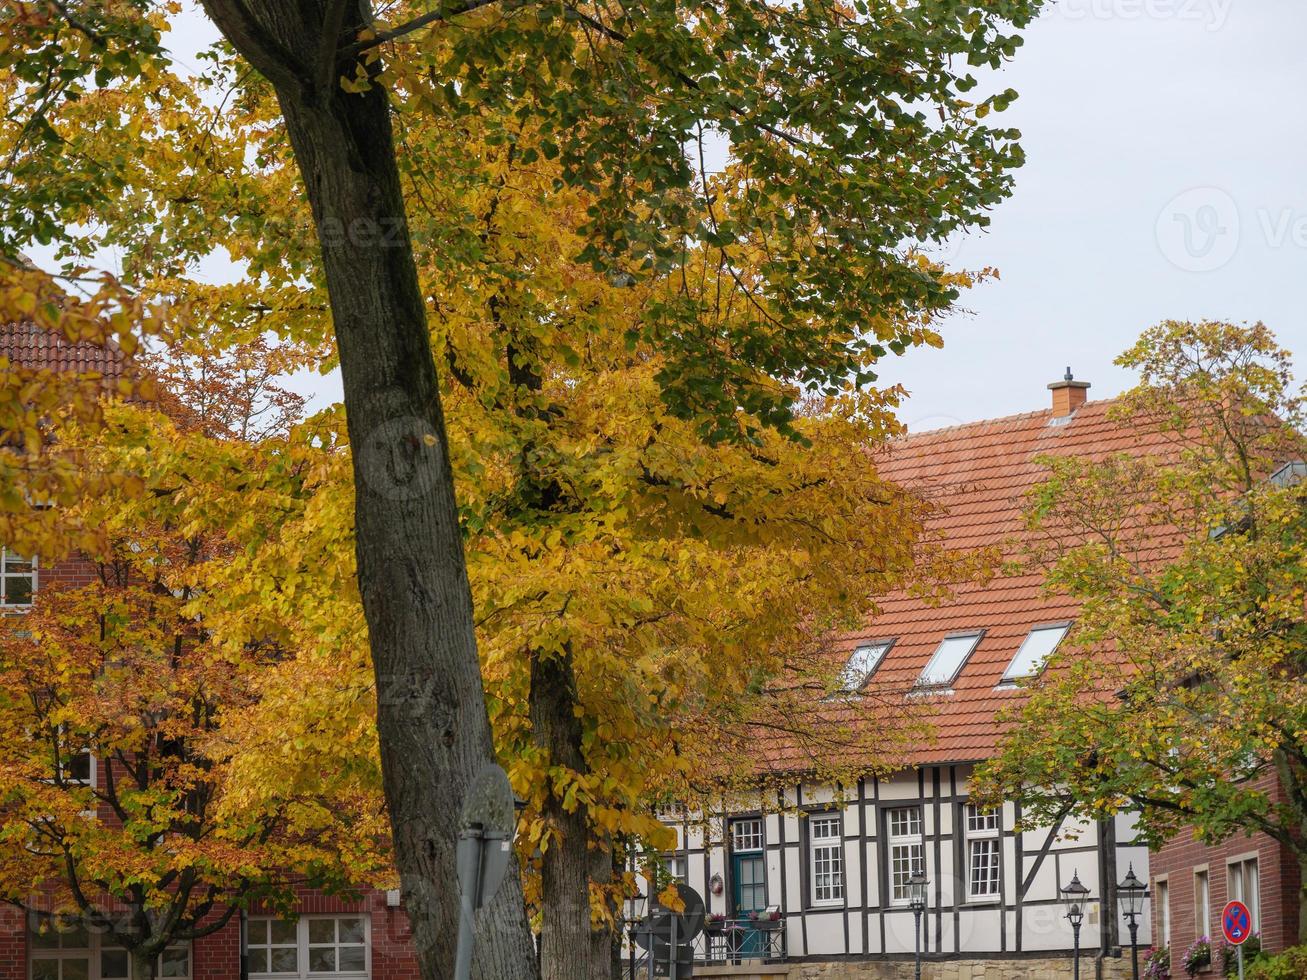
x=748 y=885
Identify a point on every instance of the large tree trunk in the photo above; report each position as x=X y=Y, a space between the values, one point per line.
x=431 y=715
x=569 y=948
x=143 y=965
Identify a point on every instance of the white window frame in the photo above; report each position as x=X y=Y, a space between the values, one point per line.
x=1240 y=888
x=6 y=575
x=826 y=859
x=677 y=865
x=1203 y=902
x=747 y=834
x=93 y=953
x=928 y=681
x=863 y=662
x=906 y=845
x=1011 y=676
x=984 y=836
x=302 y=948
x=1162 y=903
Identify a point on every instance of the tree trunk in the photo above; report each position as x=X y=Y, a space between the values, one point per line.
x=143 y=965
x=567 y=943
x=1302 y=897
x=431 y=717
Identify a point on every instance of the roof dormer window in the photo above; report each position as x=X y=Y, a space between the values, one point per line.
x=947 y=661
x=862 y=664
x=1035 y=650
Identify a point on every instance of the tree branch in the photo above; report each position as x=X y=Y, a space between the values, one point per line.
x=417 y=23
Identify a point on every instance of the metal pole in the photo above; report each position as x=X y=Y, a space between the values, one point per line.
x=1240 y=955
x=916 y=936
x=1075 y=971
x=470 y=848
x=671 y=940
x=1134 y=947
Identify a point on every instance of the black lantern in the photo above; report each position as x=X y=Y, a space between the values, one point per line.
x=1133 y=892
x=1075 y=896
x=917 y=890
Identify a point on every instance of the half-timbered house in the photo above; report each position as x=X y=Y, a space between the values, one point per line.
x=827 y=870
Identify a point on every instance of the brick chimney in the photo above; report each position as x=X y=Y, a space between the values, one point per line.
x=1068 y=395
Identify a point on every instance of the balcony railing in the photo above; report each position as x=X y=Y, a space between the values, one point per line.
x=736 y=940
x=733 y=941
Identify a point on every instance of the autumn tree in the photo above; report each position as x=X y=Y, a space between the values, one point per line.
x=121 y=811
x=1189 y=558
x=853 y=137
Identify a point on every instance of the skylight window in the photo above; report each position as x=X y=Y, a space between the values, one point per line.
x=947 y=662
x=862 y=664
x=1037 y=647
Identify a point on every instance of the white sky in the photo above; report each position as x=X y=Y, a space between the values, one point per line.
x=1166 y=143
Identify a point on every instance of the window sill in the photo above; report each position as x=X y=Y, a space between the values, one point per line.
x=983 y=901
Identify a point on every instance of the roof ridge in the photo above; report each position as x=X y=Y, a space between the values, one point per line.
x=910 y=436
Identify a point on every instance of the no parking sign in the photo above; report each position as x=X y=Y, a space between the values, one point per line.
x=1236 y=923
x=1236 y=926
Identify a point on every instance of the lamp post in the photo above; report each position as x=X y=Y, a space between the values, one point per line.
x=1133 y=892
x=1075 y=896
x=917 y=901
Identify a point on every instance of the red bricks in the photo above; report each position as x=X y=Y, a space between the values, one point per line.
x=1177 y=861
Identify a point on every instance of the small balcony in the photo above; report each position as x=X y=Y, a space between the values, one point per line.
x=731 y=945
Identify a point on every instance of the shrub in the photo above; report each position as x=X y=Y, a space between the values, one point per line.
x=1252 y=949
x=1288 y=965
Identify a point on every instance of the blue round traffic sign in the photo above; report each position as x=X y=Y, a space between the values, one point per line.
x=1236 y=923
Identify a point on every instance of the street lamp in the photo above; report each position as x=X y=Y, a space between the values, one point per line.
x=917 y=901
x=1133 y=892
x=1075 y=896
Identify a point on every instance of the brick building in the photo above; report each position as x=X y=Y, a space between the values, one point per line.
x=1191 y=882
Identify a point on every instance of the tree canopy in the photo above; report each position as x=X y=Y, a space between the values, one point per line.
x=1188 y=555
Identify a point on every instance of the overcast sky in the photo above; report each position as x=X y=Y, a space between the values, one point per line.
x=1166 y=177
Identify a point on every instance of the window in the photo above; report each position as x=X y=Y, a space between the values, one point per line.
x=1162 y=909
x=907 y=851
x=746 y=835
x=677 y=867
x=17 y=579
x=76 y=955
x=317 y=946
x=1036 y=648
x=948 y=659
x=115 y=964
x=862 y=664
x=1244 y=886
x=984 y=852
x=1202 y=903
x=826 y=859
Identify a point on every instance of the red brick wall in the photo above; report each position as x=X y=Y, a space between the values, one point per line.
x=13 y=945
x=1277 y=869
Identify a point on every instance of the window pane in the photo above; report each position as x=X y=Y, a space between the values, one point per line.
x=258 y=958
x=45 y=969
x=351 y=958
x=949 y=656
x=322 y=931
x=351 y=930
x=281 y=932
x=746 y=835
x=78 y=969
x=18 y=590
x=285 y=961
x=1038 y=645
x=114 y=964
x=175 y=963
x=862 y=664
x=48 y=939
x=322 y=960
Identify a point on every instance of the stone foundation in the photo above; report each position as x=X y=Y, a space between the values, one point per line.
x=1059 y=968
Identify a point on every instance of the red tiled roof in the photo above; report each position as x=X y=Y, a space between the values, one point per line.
x=981 y=474
x=35 y=348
